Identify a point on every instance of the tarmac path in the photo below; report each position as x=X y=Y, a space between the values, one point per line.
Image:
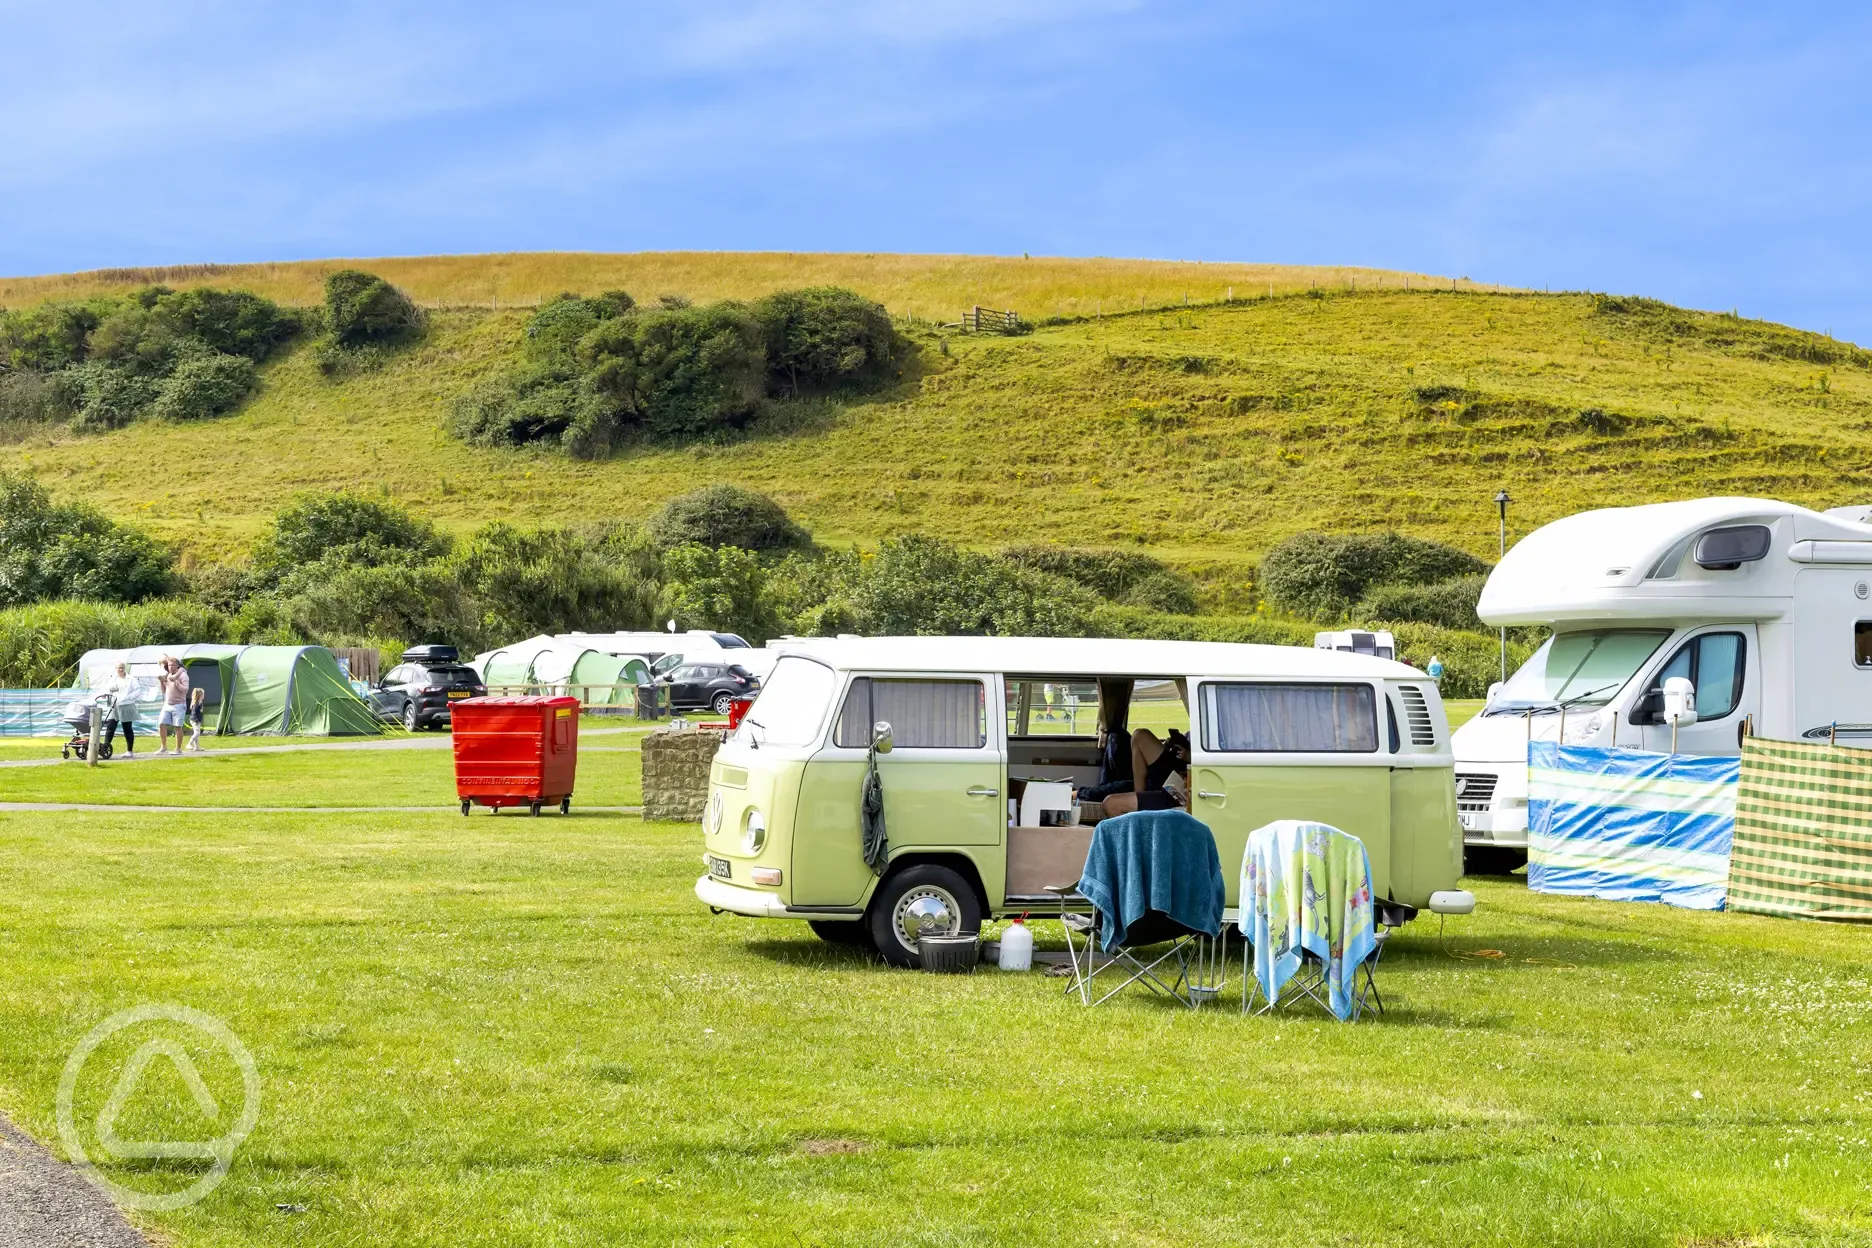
x=45 y=1203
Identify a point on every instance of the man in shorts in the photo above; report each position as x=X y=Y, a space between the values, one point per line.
x=175 y=691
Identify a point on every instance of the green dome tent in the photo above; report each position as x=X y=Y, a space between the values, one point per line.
x=294 y=690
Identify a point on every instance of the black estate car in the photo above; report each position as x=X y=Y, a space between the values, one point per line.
x=420 y=689
x=695 y=686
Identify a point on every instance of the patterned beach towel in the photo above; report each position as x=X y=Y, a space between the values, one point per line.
x=1306 y=887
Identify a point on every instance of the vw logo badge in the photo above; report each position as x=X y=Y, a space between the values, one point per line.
x=714 y=814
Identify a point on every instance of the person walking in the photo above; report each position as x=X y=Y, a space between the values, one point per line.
x=175 y=691
x=198 y=702
x=123 y=687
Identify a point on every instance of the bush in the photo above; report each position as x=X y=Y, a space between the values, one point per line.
x=49 y=337
x=725 y=515
x=553 y=580
x=1117 y=575
x=30 y=398
x=825 y=338
x=1450 y=604
x=363 y=310
x=222 y=587
x=680 y=373
x=720 y=588
x=40 y=645
x=923 y=585
x=345 y=528
x=233 y=322
x=50 y=550
x=545 y=404
x=1322 y=577
x=203 y=385
x=554 y=332
x=108 y=397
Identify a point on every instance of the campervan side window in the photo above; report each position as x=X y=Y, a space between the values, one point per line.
x=1268 y=718
x=1052 y=708
x=923 y=714
x=1862 y=643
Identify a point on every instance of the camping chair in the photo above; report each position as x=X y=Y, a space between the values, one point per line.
x=1162 y=855
x=1306 y=890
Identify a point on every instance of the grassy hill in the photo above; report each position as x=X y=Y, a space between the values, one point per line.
x=1203 y=433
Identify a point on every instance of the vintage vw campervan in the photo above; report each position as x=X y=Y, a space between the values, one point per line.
x=1763 y=606
x=1275 y=733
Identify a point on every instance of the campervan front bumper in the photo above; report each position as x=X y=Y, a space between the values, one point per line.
x=762 y=903
x=1491 y=804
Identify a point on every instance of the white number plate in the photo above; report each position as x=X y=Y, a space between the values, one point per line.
x=719 y=868
x=1466 y=820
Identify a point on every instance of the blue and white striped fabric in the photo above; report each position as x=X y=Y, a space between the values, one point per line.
x=1626 y=825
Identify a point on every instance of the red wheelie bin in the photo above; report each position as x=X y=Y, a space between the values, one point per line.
x=516 y=752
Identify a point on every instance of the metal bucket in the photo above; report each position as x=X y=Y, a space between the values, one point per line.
x=948 y=954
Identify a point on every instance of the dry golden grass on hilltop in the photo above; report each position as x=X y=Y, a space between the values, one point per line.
x=938 y=288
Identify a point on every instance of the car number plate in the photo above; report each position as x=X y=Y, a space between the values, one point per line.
x=1466 y=820
x=720 y=869
x=458 y=693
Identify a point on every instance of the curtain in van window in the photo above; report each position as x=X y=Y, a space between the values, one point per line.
x=1256 y=718
x=923 y=714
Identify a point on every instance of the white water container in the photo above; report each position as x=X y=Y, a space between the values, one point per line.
x=1016 y=948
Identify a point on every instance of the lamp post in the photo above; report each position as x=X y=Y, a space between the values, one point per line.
x=1501 y=504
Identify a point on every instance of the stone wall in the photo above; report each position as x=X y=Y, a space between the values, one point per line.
x=676 y=772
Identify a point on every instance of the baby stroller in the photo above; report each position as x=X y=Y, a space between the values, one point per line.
x=77 y=714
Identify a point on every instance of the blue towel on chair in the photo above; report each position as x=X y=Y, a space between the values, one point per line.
x=1154 y=860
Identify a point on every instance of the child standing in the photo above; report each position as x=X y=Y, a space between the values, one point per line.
x=198 y=701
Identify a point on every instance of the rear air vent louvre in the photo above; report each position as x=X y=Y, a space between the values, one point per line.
x=1417 y=715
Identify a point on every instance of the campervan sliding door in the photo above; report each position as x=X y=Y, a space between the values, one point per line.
x=1265 y=750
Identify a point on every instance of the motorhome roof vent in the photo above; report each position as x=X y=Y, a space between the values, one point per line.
x=1417 y=715
x=1726 y=549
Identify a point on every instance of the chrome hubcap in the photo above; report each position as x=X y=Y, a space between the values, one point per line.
x=926 y=908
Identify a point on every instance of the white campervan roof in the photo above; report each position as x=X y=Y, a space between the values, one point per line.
x=1624 y=563
x=1085 y=656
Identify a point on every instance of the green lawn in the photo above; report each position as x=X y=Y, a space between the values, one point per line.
x=529 y=1032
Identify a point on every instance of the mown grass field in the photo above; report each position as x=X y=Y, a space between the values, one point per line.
x=526 y=1031
x=1203 y=435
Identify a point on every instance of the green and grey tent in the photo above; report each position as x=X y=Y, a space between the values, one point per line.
x=295 y=690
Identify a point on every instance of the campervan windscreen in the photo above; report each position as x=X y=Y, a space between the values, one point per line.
x=1586 y=668
x=792 y=705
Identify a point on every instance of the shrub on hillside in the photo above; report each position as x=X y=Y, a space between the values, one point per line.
x=724 y=515
x=49 y=337
x=363 y=310
x=345 y=528
x=105 y=397
x=681 y=373
x=335 y=602
x=1449 y=604
x=40 y=645
x=203 y=385
x=29 y=398
x=554 y=332
x=66 y=550
x=825 y=338
x=1321 y=576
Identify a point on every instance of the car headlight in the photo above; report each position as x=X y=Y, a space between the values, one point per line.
x=755 y=836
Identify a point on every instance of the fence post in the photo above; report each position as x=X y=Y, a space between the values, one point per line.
x=97 y=724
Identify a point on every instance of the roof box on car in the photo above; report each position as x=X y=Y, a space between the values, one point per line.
x=431 y=654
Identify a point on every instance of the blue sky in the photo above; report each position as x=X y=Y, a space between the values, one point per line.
x=1710 y=155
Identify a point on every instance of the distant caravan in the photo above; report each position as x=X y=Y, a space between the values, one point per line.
x=1765 y=607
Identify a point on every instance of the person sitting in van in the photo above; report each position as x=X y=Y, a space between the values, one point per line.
x=1160 y=770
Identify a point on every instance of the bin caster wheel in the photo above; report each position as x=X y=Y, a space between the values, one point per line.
x=565 y=805
x=534 y=810
x=465 y=806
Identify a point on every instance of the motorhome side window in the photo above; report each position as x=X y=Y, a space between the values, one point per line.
x=1862 y=643
x=1714 y=663
x=1313 y=719
x=923 y=714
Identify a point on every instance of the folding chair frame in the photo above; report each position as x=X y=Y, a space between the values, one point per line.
x=1201 y=961
x=1309 y=982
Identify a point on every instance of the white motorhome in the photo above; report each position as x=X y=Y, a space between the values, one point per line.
x=1765 y=607
x=1379 y=644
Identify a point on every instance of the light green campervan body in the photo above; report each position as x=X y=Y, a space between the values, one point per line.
x=797 y=773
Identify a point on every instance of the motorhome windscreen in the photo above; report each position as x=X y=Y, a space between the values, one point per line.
x=1585 y=668
x=792 y=705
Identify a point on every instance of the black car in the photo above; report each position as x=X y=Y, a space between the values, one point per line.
x=712 y=686
x=419 y=690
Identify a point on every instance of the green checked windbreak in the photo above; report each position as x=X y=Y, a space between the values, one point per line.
x=1803 y=831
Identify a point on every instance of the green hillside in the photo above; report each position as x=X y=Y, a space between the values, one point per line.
x=1204 y=434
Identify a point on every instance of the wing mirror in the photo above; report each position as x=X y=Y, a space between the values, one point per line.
x=1493 y=689
x=881 y=737
x=1679 y=702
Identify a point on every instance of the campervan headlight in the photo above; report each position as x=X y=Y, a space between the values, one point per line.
x=755 y=835
x=1584 y=728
